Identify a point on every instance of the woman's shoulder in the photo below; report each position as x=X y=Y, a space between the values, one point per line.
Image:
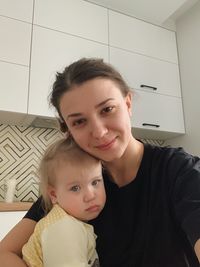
x=170 y=161
x=168 y=153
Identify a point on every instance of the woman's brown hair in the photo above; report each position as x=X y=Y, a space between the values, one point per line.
x=79 y=72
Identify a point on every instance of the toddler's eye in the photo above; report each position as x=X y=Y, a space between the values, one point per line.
x=96 y=182
x=75 y=188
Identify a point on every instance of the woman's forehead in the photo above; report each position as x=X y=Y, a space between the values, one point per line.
x=95 y=91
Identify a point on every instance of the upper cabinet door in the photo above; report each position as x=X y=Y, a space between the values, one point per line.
x=15 y=41
x=154 y=113
x=146 y=73
x=75 y=17
x=144 y=38
x=13 y=87
x=20 y=9
x=52 y=51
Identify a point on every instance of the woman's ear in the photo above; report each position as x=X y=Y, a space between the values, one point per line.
x=52 y=194
x=128 y=100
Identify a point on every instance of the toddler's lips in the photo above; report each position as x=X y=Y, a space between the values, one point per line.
x=93 y=208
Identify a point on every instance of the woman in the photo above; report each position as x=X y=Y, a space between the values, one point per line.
x=152 y=212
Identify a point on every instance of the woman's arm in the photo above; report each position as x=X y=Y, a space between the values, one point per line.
x=197 y=249
x=11 y=245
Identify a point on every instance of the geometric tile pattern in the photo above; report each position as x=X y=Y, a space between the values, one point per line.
x=154 y=142
x=21 y=149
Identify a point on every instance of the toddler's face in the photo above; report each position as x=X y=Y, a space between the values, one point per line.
x=80 y=190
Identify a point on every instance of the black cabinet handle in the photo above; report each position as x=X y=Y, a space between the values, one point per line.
x=148 y=86
x=150 y=124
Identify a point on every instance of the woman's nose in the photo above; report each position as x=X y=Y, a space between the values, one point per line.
x=98 y=129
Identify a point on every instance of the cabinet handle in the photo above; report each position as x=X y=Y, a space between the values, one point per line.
x=150 y=124
x=148 y=86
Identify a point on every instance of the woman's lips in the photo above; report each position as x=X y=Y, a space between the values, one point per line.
x=106 y=145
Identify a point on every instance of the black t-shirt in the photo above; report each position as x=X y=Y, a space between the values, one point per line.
x=155 y=220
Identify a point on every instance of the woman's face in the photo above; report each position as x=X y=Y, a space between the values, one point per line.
x=98 y=118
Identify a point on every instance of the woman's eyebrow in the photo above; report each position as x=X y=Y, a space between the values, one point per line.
x=96 y=106
x=103 y=102
x=73 y=115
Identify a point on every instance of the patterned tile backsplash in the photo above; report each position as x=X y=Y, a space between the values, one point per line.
x=21 y=149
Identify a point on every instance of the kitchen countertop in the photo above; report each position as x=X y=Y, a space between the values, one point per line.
x=15 y=206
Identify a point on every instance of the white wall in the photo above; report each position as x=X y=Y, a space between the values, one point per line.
x=8 y=220
x=188 y=40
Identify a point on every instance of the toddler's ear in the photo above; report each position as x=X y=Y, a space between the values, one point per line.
x=52 y=194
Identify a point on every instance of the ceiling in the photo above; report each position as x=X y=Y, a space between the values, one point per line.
x=159 y=12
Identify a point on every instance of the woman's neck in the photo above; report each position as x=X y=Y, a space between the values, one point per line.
x=124 y=170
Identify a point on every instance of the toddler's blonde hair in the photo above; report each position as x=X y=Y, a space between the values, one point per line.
x=64 y=150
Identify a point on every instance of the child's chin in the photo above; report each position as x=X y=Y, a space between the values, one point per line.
x=92 y=217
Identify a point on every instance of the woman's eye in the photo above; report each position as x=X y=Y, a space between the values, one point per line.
x=78 y=122
x=108 y=109
x=75 y=188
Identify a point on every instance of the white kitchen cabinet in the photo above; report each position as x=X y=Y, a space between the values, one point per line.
x=142 y=72
x=51 y=52
x=157 y=102
x=75 y=17
x=20 y=9
x=13 y=87
x=65 y=31
x=15 y=41
x=140 y=37
x=157 y=115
